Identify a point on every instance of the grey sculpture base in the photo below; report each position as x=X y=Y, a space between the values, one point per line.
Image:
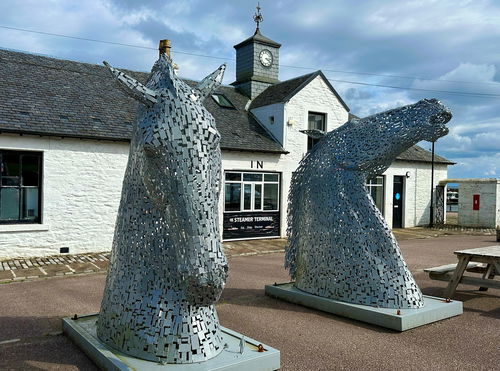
x=83 y=332
x=435 y=309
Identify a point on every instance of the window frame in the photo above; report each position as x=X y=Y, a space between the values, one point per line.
x=252 y=184
x=311 y=142
x=369 y=185
x=230 y=106
x=20 y=186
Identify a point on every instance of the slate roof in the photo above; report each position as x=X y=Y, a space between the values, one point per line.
x=285 y=90
x=418 y=154
x=48 y=96
x=259 y=38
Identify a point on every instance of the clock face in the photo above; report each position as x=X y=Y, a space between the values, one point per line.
x=266 y=58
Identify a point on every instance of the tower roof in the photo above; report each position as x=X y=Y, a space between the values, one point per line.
x=257 y=37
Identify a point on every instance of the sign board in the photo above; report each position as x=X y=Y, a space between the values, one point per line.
x=251 y=225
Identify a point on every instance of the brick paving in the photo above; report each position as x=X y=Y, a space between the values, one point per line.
x=49 y=266
x=22 y=269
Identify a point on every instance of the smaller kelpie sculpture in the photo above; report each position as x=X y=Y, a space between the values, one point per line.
x=340 y=246
x=167 y=267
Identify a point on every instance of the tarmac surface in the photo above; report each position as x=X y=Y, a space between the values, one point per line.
x=31 y=312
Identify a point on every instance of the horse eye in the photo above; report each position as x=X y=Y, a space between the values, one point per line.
x=149 y=150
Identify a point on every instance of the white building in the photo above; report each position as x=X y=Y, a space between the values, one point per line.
x=64 y=141
x=478 y=201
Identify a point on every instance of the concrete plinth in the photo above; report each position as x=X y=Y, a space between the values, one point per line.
x=83 y=332
x=435 y=309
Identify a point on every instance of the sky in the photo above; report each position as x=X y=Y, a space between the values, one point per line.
x=452 y=46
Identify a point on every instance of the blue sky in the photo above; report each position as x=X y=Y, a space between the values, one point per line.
x=448 y=45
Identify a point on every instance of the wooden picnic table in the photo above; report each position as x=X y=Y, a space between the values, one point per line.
x=485 y=260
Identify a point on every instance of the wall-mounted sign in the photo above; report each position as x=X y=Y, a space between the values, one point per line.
x=256 y=164
x=251 y=225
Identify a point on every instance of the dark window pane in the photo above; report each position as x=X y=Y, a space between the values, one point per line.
x=311 y=142
x=247 y=197
x=270 y=177
x=9 y=205
x=233 y=176
x=316 y=121
x=222 y=101
x=30 y=170
x=249 y=177
x=29 y=206
x=375 y=187
x=10 y=169
x=270 y=196
x=258 y=197
x=232 y=197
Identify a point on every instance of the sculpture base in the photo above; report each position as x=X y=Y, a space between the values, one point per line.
x=83 y=332
x=435 y=309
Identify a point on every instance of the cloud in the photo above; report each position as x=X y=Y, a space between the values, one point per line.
x=477 y=167
x=440 y=40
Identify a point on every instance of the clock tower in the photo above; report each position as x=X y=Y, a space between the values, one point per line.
x=257 y=62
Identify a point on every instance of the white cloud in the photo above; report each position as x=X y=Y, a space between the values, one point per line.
x=407 y=17
x=445 y=40
x=476 y=167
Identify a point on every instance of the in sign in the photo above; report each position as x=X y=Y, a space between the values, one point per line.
x=258 y=164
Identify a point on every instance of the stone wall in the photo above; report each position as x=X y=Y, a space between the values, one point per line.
x=488 y=215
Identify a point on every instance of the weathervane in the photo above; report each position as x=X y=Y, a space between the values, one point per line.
x=258 y=17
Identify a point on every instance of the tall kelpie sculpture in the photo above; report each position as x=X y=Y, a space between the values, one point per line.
x=167 y=267
x=340 y=246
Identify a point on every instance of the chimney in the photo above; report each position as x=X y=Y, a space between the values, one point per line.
x=164 y=47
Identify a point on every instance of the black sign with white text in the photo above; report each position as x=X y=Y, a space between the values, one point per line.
x=251 y=225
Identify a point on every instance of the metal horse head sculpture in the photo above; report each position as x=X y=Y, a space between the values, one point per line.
x=340 y=246
x=167 y=266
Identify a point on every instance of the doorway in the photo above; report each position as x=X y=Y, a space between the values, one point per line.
x=397 y=202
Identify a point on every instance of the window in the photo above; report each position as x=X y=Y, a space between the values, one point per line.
x=375 y=187
x=316 y=121
x=251 y=191
x=222 y=101
x=20 y=186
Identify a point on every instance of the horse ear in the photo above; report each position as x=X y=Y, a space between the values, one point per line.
x=313 y=133
x=211 y=82
x=132 y=87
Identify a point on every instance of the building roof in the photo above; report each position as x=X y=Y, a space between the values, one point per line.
x=53 y=97
x=418 y=154
x=285 y=90
x=47 y=96
x=258 y=38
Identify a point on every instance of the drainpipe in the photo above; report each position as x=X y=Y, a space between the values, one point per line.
x=431 y=221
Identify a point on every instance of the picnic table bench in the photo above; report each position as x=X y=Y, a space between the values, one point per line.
x=485 y=260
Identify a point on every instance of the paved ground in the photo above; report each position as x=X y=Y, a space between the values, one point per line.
x=39 y=268
x=30 y=325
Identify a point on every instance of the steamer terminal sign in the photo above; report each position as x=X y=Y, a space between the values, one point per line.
x=251 y=225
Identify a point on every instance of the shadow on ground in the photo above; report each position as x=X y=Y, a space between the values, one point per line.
x=43 y=348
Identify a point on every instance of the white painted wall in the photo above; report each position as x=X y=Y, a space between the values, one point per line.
x=81 y=189
x=315 y=97
x=416 y=190
x=277 y=111
x=497 y=222
x=488 y=214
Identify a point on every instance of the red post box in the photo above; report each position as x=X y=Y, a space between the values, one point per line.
x=475 y=202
